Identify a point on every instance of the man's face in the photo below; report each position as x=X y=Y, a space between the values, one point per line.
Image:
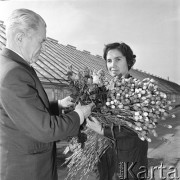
x=34 y=44
x=116 y=63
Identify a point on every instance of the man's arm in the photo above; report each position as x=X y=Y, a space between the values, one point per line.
x=21 y=101
x=54 y=108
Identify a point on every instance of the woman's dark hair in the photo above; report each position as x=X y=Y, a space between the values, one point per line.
x=124 y=49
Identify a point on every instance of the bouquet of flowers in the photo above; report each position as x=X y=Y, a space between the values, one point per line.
x=124 y=101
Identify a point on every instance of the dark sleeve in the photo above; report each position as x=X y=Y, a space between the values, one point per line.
x=115 y=132
x=23 y=105
x=54 y=108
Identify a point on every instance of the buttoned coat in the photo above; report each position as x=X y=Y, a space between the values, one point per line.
x=29 y=123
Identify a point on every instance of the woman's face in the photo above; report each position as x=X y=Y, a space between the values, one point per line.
x=116 y=63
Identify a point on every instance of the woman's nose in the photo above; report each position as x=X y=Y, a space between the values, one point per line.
x=113 y=64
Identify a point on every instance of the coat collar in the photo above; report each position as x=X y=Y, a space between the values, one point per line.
x=14 y=56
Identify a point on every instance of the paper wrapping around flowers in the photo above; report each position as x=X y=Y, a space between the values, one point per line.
x=124 y=101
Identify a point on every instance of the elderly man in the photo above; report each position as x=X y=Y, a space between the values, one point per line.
x=29 y=123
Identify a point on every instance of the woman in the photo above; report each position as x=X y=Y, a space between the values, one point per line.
x=128 y=158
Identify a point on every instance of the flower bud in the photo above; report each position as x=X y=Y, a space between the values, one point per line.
x=120 y=106
x=146 y=119
x=152 y=102
x=168 y=102
x=150 y=126
x=165 y=114
x=136 y=113
x=143 y=92
x=136 y=118
x=138 y=124
x=112 y=106
x=158 y=102
x=162 y=110
x=108 y=99
x=115 y=100
x=137 y=128
x=108 y=103
x=154 y=133
x=145 y=114
x=126 y=107
x=170 y=108
x=169 y=126
x=112 y=102
x=155 y=120
x=142 y=138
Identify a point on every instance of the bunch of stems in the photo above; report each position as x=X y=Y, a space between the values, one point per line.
x=83 y=160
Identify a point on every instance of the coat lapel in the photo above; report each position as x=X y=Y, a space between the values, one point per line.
x=43 y=94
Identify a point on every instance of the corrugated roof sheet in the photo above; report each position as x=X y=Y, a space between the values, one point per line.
x=52 y=64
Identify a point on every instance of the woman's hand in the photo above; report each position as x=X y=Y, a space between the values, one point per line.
x=94 y=125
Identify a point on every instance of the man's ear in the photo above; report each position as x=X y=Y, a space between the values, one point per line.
x=19 y=37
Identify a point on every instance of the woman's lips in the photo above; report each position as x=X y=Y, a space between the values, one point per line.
x=114 y=71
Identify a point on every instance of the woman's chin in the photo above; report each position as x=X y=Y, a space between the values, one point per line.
x=114 y=74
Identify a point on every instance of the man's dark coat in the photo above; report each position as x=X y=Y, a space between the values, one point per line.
x=29 y=123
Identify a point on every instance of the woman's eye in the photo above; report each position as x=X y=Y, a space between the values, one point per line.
x=109 y=60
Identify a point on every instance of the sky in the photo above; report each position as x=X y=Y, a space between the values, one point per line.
x=150 y=27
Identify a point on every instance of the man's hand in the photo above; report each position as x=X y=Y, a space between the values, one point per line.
x=95 y=125
x=84 y=111
x=87 y=109
x=66 y=102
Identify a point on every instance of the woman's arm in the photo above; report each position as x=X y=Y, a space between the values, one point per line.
x=116 y=132
x=112 y=132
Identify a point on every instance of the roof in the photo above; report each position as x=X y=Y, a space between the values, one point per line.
x=52 y=64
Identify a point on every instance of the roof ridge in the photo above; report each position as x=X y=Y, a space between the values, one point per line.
x=70 y=46
x=141 y=71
